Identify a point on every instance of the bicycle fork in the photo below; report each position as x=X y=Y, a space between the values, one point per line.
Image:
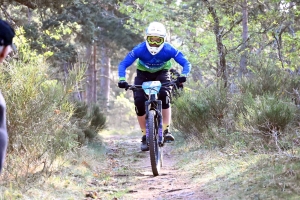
x=149 y=105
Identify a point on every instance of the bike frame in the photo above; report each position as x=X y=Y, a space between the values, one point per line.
x=153 y=104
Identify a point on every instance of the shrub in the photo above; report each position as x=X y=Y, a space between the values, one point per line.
x=195 y=112
x=38 y=115
x=90 y=120
x=264 y=79
x=267 y=115
x=190 y=113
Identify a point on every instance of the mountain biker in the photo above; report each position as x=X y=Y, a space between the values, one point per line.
x=153 y=64
x=6 y=37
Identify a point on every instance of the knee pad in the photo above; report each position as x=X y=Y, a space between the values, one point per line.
x=140 y=106
x=165 y=98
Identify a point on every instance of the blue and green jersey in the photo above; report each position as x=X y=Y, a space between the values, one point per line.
x=153 y=63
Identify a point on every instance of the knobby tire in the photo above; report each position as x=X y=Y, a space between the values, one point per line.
x=155 y=150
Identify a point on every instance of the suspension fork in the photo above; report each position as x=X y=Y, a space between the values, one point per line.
x=158 y=108
x=160 y=122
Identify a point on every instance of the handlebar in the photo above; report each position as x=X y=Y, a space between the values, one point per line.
x=137 y=87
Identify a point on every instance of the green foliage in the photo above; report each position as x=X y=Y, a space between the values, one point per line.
x=81 y=110
x=216 y=116
x=51 y=44
x=97 y=119
x=121 y=115
x=195 y=111
x=191 y=113
x=268 y=113
x=91 y=21
x=38 y=118
x=63 y=32
x=90 y=120
x=38 y=114
x=264 y=79
x=196 y=35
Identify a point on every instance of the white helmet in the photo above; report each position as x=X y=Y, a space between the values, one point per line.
x=155 y=29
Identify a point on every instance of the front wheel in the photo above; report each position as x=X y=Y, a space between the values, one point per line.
x=154 y=148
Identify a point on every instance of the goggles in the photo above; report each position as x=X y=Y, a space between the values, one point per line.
x=155 y=40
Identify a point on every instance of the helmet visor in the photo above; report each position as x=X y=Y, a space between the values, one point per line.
x=155 y=41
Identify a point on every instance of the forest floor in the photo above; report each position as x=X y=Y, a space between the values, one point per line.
x=133 y=174
x=113 y=167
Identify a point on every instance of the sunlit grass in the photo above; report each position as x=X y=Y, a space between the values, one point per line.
x=103 y=169
x=70 y=176
x=231 y=174
x=90 y=170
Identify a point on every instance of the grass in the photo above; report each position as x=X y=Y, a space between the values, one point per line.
x=71 y=174
x=241 y=175
x=106 y=172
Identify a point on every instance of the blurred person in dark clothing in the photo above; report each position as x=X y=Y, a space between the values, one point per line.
x=6 y=36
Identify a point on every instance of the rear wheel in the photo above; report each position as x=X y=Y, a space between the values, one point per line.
x=155 y=149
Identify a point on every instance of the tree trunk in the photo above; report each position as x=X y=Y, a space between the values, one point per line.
x=244 y=60
x=94 y=88
x=89 y=76
x=105 y=76
x=221 y=68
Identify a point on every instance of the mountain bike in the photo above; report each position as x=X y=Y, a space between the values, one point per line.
x=154 y=133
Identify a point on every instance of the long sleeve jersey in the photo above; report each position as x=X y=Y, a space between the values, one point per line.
x=154 y=63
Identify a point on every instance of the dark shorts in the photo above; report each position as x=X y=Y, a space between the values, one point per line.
x=164 y=93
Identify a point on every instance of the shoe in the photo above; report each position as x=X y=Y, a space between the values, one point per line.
x=144 y=146
x=168 y=136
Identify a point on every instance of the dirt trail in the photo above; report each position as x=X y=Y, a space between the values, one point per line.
x=133 y=172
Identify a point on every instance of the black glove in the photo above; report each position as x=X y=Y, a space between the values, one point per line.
x=181 y=79
x=123 y=84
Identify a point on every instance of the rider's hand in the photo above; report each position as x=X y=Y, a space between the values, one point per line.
x=181 y=79
x=123 y=84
